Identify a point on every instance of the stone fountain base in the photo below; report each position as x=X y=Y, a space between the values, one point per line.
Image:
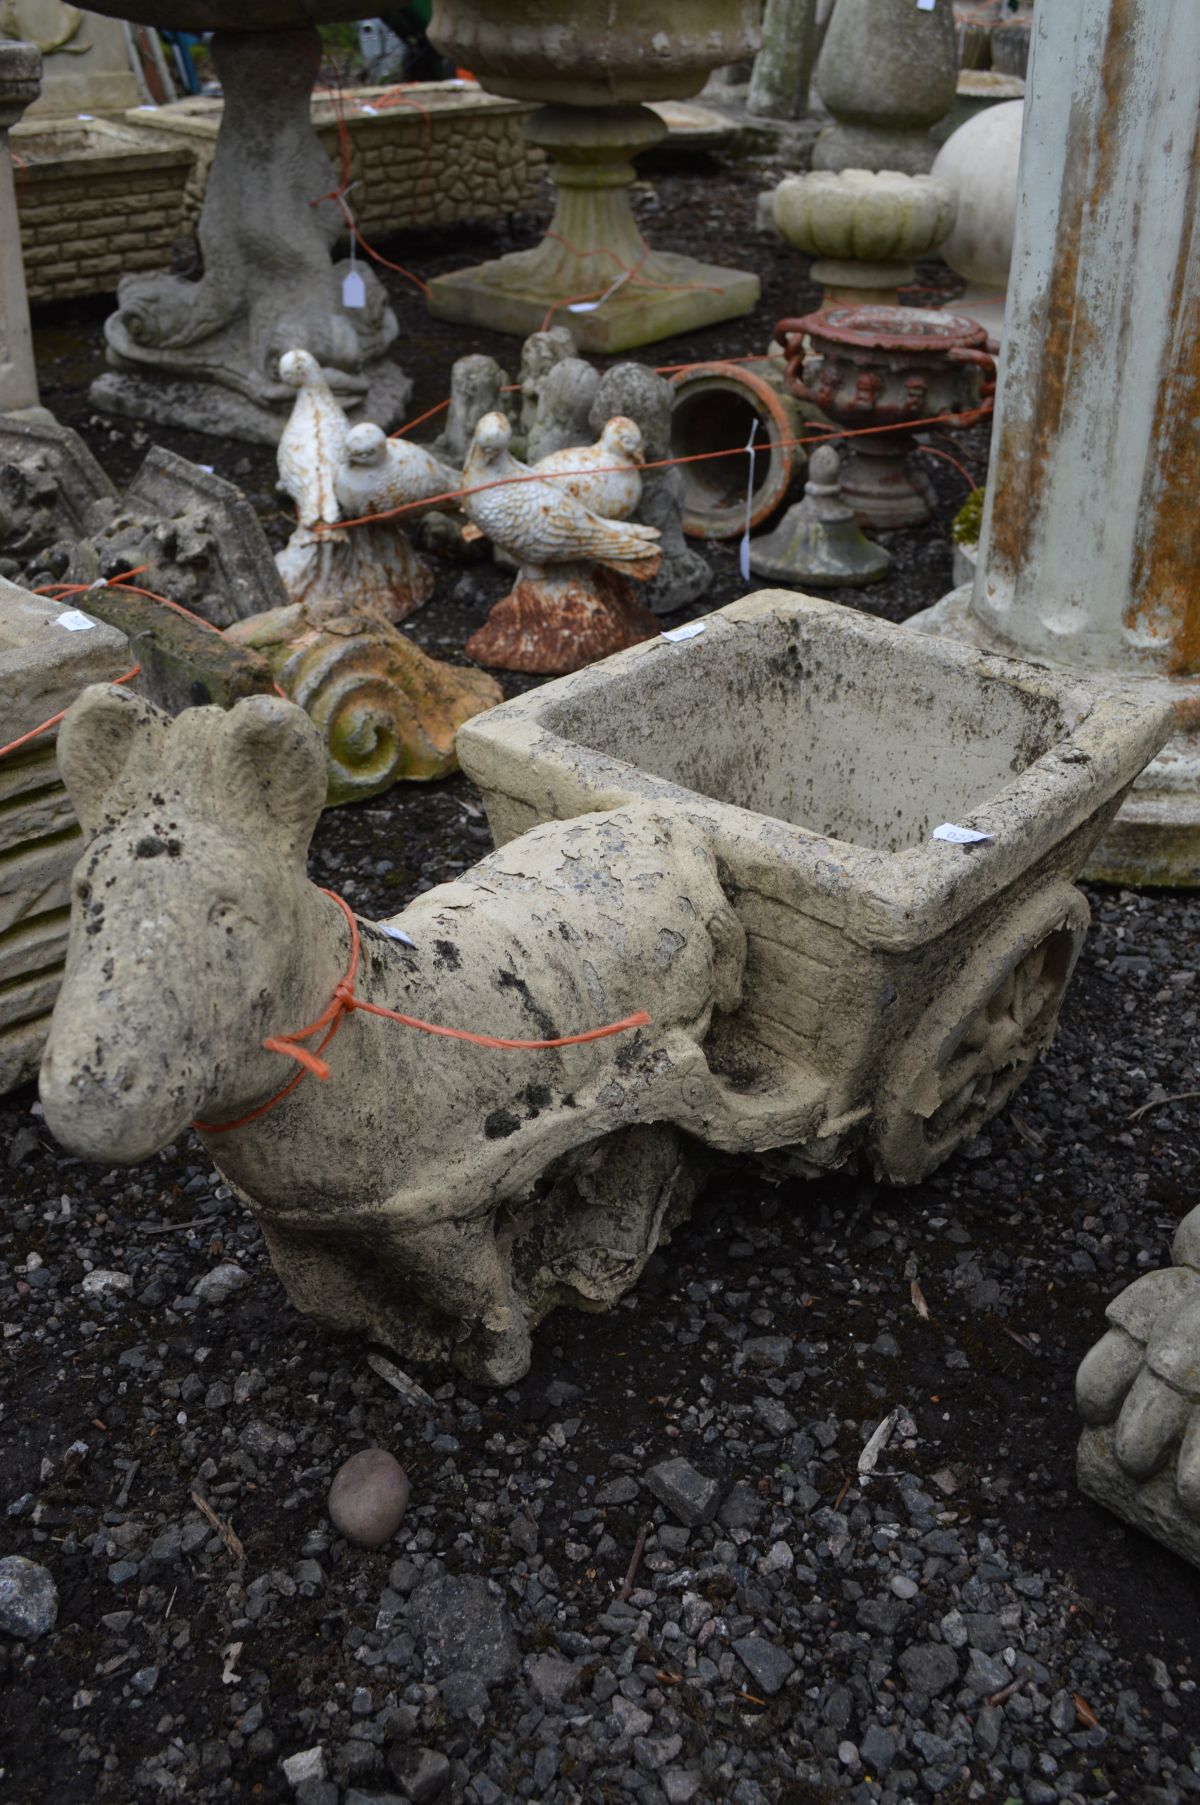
x=211 y=407
x=594 y=255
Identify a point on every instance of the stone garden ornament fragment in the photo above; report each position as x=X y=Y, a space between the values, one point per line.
x=765 y=954
x=1138 y=1392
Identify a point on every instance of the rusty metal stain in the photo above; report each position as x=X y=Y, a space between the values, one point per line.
x=1026 y=446
x=1165 y=599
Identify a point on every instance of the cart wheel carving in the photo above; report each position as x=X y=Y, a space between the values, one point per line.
x=975 y=1044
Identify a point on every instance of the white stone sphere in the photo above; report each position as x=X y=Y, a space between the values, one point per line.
x=979 y=161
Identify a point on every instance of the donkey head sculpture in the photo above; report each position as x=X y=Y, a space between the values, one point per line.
x=184 y=919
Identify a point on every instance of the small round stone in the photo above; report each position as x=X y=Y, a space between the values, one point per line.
x=28 y=1598
x=368 y=1497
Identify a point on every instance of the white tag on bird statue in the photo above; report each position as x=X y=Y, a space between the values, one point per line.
x=744 y=547
x=354 y=289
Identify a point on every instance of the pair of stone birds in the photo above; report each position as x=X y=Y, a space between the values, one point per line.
x=571 y=507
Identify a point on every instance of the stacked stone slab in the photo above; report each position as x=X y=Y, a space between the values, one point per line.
x=43 y=667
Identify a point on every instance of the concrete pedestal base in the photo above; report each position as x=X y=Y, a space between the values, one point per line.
x=669 y=295
x=594 y=252
x=1156 y=837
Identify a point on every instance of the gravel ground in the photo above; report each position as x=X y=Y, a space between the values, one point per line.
x=653 y=1569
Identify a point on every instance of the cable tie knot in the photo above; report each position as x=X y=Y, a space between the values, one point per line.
x=100 y=583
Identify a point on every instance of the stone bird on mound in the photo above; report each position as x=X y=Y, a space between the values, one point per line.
x=605 y=477
x=310 y=446
x=376 y=474
x=535 y=521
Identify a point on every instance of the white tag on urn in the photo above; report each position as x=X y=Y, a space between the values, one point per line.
x=354 y=290
x=959 y=836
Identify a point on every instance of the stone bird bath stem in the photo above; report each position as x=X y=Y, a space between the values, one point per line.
x=204 y=353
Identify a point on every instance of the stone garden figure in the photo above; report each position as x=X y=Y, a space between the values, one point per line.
x=432 y=1192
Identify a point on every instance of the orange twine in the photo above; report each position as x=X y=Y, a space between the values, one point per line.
x=344 y=1002
x=695 y=457
x=61 y=592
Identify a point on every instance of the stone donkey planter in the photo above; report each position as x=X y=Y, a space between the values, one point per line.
x=897 y=987
x=740 y=976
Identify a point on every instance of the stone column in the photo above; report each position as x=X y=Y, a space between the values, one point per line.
x=783 y=66
x=20 y=79
x=1090 y=544
x=1090 y=550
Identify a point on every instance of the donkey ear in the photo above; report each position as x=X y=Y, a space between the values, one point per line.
x=273 y=765
x=103 y=732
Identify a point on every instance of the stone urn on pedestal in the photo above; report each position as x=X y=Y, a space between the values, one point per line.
x=864 y=226
x=892 y=369
x=888 y=71
x=205 y=353
x=593 y=68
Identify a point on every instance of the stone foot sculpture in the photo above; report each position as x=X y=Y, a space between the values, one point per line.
x=1138 y=1391
x=205 y=354
x=559 y=620
x=432 y=1194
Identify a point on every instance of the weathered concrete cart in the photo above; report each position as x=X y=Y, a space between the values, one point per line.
x=898 y=986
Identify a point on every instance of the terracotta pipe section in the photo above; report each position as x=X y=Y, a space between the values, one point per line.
x=716 y=405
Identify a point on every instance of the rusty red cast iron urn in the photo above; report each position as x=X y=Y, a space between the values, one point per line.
x=890 y=367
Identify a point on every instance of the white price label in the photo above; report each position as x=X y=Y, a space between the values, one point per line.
x=689 y=630
x=75 y=621
x=398 y=934
x=959 y=836
x=354 y=290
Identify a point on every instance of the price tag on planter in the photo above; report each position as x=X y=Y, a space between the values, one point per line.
x=689 y=630
x=926 y=6
x=75 y=621
x=398 y=934
x=354 y=290
x=959 y=836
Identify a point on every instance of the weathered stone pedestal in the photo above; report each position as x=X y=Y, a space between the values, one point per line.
x=43 y=667
x=20 y=78
x=1091 y=537
x=593 y=245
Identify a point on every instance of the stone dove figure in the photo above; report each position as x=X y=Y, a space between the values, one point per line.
x=606 y=476
x=311 y=442
x=537 y=522
x=375 y=474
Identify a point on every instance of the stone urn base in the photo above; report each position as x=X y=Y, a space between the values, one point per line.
x=593 y=271
x=557 y=621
